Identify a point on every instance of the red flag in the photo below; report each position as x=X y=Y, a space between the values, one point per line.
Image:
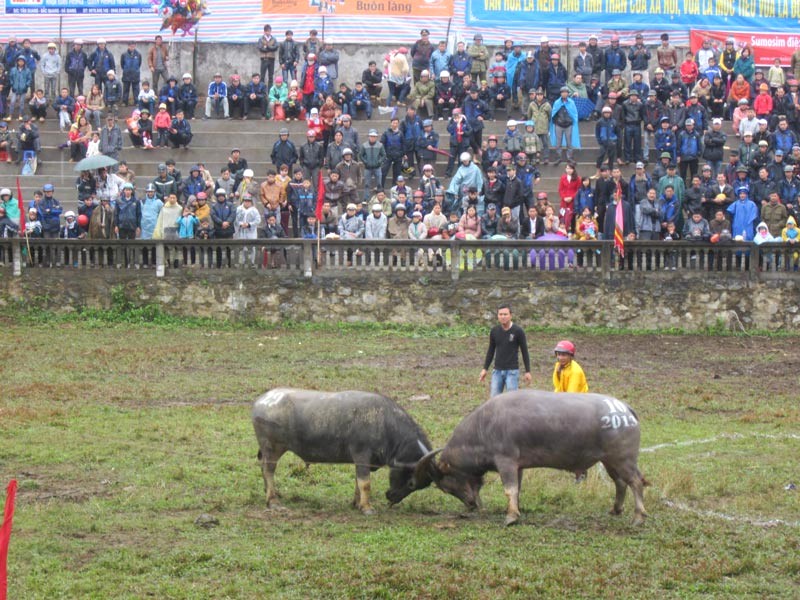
x=21 y=205
x=619 y=240
x=320 y=196
x=5 y=536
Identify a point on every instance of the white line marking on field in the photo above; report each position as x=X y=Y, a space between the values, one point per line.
x=726 y=517
x=722 y=436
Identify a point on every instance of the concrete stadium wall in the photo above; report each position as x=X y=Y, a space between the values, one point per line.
x=657 y=301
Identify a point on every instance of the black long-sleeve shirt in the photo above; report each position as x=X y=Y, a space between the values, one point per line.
x=504 y=346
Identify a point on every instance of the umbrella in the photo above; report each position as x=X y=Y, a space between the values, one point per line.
x=95 y=162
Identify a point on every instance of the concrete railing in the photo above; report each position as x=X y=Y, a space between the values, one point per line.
x=459 y=258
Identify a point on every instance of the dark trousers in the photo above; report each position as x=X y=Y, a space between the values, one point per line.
x=127 y=87
x=75 y=84
x=688 y=166
x=188 y=107
x=633 y=143
x=608 y=152
x=259 y=105
x=129 y=253
x=180 y=139
x=395 y=164
x=267 y=67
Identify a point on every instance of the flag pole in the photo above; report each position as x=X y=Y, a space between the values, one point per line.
x=319 y=242
x=21 y=208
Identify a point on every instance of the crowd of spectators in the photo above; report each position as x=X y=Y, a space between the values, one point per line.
x=679 y=121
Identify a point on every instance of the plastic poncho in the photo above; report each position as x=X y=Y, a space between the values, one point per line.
x=744 y=213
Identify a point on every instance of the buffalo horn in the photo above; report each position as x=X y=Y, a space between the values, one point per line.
x=426 y=466
x=422 y=447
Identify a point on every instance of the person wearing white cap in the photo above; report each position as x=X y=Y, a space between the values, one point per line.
x=101 y=61
x=51 y=67
x=714 y=145
x=112 y=92
x=246 y=223
x=351 y=225
x=187 y=95
x=75 y=65
x=375 y=223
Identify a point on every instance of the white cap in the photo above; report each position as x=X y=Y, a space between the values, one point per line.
x=247 y=173
x=444 y=74
x=111 y=72
x=323 y=69
x=187 y=76
x=425 y=73
x=101 y=41
x=69 y=214
x=465 y=156
x=376 y=206
x=5 y=192
x=543 y=39
x=511 y=123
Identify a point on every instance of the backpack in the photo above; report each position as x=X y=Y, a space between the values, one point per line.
x=563 y=118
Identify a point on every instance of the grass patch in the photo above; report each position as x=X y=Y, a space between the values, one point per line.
x=121 y=435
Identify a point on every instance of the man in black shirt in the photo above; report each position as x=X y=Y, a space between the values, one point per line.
x=505 y=342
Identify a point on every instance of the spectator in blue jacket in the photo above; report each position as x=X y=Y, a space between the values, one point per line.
x=180 y=132
x=101 y=61
x=169 y=95
x=10 y=53
x=255 y=98
x=49 y=209
x=216 y=98
x=360 y=101
x=440 y=59
x=31 y=57
x=112 y=92
x=131 y=64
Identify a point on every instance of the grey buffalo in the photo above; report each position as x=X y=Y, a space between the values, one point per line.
x=361 y=428
x=527 y=428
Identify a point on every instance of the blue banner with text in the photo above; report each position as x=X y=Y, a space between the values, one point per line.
x=776 y=15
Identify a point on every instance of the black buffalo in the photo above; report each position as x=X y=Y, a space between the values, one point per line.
x=361 y=428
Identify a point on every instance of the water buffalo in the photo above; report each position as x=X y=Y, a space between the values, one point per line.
x=528 y=428
x=361 y=428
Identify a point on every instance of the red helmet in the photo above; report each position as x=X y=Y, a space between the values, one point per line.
x=565 y=346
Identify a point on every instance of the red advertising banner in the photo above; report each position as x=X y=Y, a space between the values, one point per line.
x=766 y=47
x=362 y=8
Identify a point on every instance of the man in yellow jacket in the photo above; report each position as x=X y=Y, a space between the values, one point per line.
x=567 y=374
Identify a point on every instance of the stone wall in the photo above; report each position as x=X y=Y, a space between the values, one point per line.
x=655 y=301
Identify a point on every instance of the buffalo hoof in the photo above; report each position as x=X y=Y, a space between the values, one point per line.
x=367 y=511
x=615 y=511
x=511 y=520
x=638 y=519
